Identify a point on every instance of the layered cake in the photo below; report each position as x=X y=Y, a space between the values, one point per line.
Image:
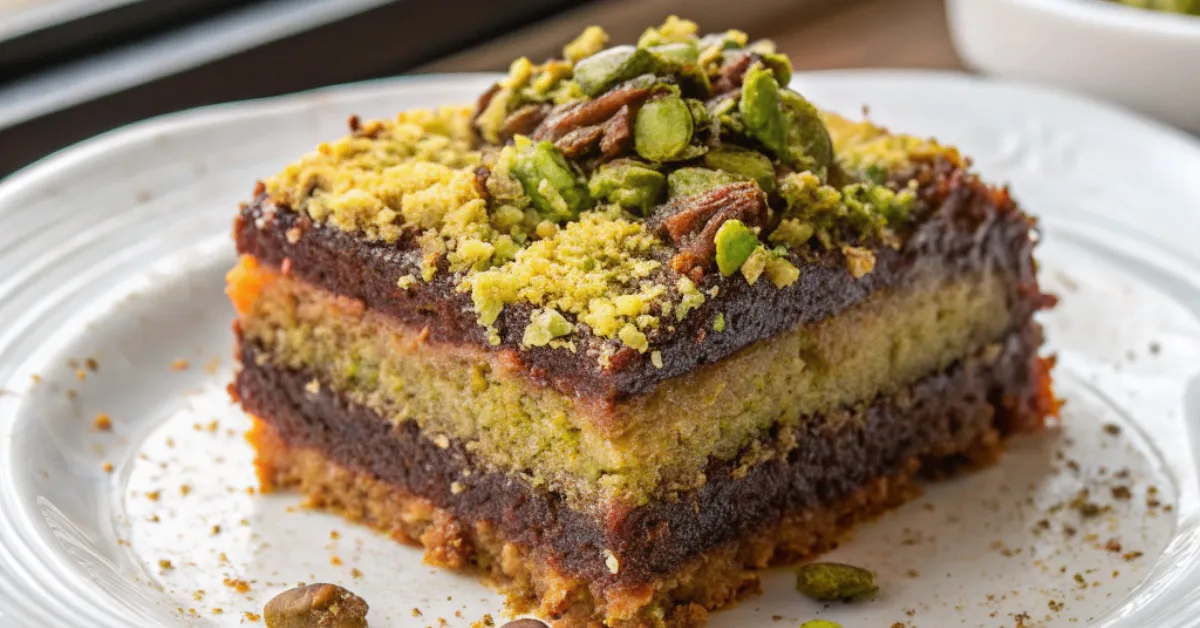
x=639 y=321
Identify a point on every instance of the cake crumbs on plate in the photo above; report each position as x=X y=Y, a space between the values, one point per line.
x=336 y=561
x=237 y=584
x=355 y=573
x=212 y=366
x=107 y=466
x=180 y=365
x=165 y=564
x=103 y=422
x=249 y=616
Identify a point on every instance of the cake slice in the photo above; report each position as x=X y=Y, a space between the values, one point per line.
x=640 y=321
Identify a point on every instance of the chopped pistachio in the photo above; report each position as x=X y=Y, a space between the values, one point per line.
x=590 y=41
x=673 y=30
x=633 y=337
x=748 y=163
x=762 y=47
x=718 y=323
x=729 y=40
x=656 y=359
x=550 y=182
x=735 y=242
x=700 y=115
x=835 y=581
x=781 y=272
x=860 y=261
x=807 y=136
x=780 y=65
x=691 y=181
x=632 y=185
x=792 y=232
x=606 y=68
x=545 y=325
x=678 y=52
x=820 y=623
x=762 y=110
x=754 y=265
x=663 y=129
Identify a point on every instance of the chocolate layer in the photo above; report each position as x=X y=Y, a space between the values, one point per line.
x=969 y=227
x=940 y=417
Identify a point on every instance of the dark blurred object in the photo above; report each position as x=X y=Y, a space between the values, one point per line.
x=37 y=33
x=210 y=51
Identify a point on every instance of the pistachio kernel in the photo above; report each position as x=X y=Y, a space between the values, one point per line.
x=835 y=581
x=820 y=623
x=735 y=242
x=550 y=182
x=545 y=325
x=762 y=111
x=633 y=185
x=316 y=606
x=748 y=163
x=606 y=68
x=663 y=129
x=692 y=181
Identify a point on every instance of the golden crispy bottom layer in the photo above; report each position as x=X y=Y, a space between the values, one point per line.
x=716 y=579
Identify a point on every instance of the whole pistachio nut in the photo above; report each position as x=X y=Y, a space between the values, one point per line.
x=316 y=606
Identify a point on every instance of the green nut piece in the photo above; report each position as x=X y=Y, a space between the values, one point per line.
x=820 y=623
x=808 y=139
x=692 y=181
x=835 y=581
x=663 y=129
x=633 y=185
x=545 y=325
x=781 y=65
x=550 y=182
x=597 y=73
x=762 y=111
x=316 y=606
x=682 y=52
x=747 y=163
x=735 y=242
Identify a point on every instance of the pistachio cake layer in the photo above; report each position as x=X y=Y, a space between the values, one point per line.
x=649 y=446
x=631 y=564
x=641 y=319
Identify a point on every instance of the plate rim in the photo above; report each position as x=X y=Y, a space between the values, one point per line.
x=49 y=167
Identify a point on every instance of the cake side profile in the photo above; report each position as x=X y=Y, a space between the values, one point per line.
x=639 y=322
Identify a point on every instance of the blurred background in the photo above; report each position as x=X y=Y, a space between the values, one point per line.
x=70 y=69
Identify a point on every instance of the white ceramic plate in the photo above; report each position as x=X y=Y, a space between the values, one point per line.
x=1147 y=60
x=115 y=251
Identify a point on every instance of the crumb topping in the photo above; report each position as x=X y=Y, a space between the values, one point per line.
x=607 y=191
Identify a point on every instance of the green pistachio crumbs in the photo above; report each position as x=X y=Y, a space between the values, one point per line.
x=570 y=238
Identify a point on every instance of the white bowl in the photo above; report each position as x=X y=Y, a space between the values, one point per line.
x=1147 y=60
